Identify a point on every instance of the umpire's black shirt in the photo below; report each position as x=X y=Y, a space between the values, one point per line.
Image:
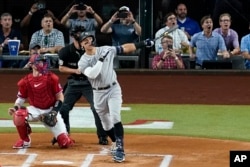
x=69 y=57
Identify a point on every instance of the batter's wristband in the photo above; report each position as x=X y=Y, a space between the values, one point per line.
x=57 y=106
x=119 y=49
x=139 y=44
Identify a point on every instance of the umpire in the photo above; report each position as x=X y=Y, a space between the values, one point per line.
x=77 y=84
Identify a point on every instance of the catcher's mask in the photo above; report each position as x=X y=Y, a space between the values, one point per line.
x=41 y=62
x=76 y=31
x=85 y=35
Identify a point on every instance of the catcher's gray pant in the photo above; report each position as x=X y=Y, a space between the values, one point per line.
x=108 y=105
x=34 y=114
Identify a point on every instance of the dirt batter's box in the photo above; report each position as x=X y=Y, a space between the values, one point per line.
x=90 y=159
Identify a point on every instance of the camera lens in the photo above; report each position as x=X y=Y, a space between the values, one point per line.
x=81 y=6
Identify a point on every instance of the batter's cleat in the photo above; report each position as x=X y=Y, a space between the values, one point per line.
x=119 y=156
x=20 y=144
x=53 y=141
x=103 y=141
x=113 y=148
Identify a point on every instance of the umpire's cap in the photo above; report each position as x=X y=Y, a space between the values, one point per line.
x=85 y=35
x=77 y=29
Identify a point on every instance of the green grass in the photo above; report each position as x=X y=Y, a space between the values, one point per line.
x=209 y=121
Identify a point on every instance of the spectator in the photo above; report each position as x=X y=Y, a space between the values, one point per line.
x=124 y=29
x=44 y=93
x=207 y=43
x=50 y=39
x=179 y=37
x=7 y=33
x=245 y=49
x=167 y=59
x=33 y=19
x=231 y=40
x=81 y=9
x=78 y=84
x=239 y=11
x=188 y=25
x=229 y=35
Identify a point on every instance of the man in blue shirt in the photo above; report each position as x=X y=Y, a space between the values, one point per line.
x=82 y=19
x=188 y=25
x=245 y=49
x=124 y=29
x=208 y=44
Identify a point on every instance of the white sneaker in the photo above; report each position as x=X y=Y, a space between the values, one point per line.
x=22 y=144
x=113 y=148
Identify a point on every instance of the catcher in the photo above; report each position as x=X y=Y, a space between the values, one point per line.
x=44 y=92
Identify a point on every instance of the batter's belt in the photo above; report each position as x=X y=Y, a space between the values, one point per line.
x=106 y=87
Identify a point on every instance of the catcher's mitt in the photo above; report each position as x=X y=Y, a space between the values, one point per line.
x=49 y=118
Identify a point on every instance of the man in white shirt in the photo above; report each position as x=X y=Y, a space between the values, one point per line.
x=179 y=37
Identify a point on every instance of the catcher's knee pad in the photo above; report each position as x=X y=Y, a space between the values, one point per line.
x=64 y=141
x=20 y=120
x=20 y=117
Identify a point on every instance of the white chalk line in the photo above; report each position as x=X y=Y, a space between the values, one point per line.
x=27 y=163
x=89 y=158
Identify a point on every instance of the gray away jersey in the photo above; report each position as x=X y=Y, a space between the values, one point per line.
x=107 y=75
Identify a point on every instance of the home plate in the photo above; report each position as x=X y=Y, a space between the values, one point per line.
x=58 y=162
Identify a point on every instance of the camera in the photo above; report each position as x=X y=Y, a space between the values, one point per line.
x=122 y=15
x=80 y=5
x=41 y=5
x=170 y=46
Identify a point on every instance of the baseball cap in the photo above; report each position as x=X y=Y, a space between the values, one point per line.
x=33 y=45
x=124 y=8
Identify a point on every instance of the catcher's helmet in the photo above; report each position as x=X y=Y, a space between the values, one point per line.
x=85 y=35
x=36 y=58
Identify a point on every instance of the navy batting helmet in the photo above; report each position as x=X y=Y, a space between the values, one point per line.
x=85 y=35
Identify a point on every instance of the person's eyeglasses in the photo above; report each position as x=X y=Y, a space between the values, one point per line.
x=167 y=41
x=46 y=41
x=164 y=42
x=172 y=18
x=225 y=20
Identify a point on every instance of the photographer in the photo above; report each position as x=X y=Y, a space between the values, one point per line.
x=167 y=59
x=121 y=32
x=81 y=9
x=124 y=29
x=33 y=19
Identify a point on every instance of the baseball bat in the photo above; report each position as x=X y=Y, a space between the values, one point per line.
x=166 y=32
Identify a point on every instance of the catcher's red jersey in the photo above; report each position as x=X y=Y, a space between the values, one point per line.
x=41 y=91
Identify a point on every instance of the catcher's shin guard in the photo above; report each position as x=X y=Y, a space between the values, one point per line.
x=64 y=141
x=22 y=126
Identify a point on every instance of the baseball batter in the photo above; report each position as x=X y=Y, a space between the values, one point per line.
x=44 y=92
x=97 y=65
